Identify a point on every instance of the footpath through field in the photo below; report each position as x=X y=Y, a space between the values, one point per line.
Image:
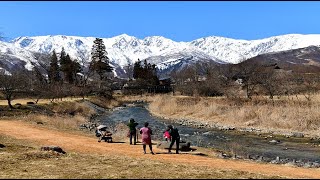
x=82 y=144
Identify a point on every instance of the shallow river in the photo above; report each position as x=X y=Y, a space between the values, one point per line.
x=227 y=141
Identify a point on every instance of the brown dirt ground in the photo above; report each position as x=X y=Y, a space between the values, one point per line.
x=71 y=142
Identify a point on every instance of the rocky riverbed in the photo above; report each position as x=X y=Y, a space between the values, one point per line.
x=257 y=131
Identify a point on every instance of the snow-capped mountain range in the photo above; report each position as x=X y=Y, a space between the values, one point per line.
x=165 y=53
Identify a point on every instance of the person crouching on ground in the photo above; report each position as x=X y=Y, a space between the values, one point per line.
x=175 y=137
x=146 y=133
x=132 y=131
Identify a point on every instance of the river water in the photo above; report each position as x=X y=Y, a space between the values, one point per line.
x=286 y=149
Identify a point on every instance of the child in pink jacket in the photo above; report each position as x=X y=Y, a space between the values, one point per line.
x=167 y=136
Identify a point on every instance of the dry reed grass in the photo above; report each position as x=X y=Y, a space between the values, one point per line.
x=294 y=113
x=67 y=115
x=144 y=97
x=105 y=103
x=57 y=121
x=71 y=108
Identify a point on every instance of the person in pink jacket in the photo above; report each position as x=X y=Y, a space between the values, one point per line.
x=146 y=133
x=167 y=136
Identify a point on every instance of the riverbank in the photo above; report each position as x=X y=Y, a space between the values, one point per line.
x=231 y=143
x=288 y=117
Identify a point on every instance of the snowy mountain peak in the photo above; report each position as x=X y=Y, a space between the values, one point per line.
x=12 y=58
x=125 y=49
x=125 y=36
x=158 y=41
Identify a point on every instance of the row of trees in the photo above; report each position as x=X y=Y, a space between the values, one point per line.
x=244 y=79
x=64 y=69
x=145 y=77
x=146 y=72
x=60 y=77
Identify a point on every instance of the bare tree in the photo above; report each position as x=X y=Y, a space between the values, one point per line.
x=211 y=83
x=247 y=73
x=85 y=71
x=11 y=85
x=269 y=80
x=39 y=84
x=226 y=78
x=186 y=80
x=308 y=85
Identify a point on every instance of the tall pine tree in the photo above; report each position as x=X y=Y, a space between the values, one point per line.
x=99 y=60
x=54 y=75
x=64 y=63
x=137 y=70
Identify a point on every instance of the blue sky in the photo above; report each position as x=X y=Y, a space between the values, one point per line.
x=179 y=21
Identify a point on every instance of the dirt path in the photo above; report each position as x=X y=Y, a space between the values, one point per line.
x=82 y=144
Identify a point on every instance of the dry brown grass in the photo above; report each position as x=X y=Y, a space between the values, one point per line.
x=67 y=115
x=71 y=108
x=23 y=159
x=57 y=121
x=105 y=103
x=286 y=114
x=41 y=101
x=145 y=97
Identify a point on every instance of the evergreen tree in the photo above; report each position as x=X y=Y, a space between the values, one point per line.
x=64 y=64
x=62 y=55
x=137 y=70
x=54 y=75
x=147 y=72
x=154 y=77
x=68 y=67
x=100 y=61
x=68 y=71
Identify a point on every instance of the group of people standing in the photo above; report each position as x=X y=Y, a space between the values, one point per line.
x=171 y=134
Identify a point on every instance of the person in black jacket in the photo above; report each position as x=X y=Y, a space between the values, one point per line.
x=132 y=131
x=175 y=137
